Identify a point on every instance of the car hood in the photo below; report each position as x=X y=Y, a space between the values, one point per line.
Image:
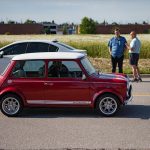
x=112 y=76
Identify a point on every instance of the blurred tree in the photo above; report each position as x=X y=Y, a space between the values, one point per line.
x=114 y=23
x=104 y=23
x=87 y=26
x=28 y=21
x=65 y=29
x=2 y=22
x=144 y=22
x=47 y=30
x=11 y=22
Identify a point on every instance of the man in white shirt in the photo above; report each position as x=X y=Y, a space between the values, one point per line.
x=134 y=51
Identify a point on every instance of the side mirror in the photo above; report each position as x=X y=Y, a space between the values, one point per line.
x=1 y=54
x=83 y=77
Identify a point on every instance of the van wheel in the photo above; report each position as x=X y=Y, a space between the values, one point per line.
x=11 y=105
x=107 y=105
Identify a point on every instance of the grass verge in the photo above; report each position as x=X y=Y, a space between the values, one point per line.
x=104 y=65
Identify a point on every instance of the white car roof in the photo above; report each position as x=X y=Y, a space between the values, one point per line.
x=49 y=55
x=27 y=41
x=43 y=41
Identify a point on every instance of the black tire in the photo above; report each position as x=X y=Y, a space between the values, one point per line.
x=11 y=105
x=107 y=105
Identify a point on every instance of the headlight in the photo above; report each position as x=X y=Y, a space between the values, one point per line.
x=128 y=79
x=128 y=85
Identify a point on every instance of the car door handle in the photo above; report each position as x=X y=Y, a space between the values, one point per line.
x=46 y=83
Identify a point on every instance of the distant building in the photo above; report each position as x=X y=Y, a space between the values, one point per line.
x=52 y=27
x=125 y=29
x=37 y=28
x=72 y=29
x=21 y=29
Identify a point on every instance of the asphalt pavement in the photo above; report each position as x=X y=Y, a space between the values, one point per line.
x=81 y=128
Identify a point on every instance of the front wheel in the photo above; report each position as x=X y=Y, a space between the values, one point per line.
x=107 y=105
x=11 y=105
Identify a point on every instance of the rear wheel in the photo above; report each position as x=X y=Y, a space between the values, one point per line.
x=11 y=105
x=107 y=105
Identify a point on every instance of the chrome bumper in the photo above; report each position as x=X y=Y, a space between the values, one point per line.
x=129 y=95
x=128 y=100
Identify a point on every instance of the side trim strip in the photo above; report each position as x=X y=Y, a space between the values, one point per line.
x=36 y=81
x=58 y=102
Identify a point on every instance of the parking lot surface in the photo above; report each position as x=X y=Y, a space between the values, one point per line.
x=81 y=128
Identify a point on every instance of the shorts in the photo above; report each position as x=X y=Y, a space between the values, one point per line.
x=133 y=59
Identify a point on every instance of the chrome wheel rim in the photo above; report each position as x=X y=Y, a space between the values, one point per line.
x=108 y=105
x=10 y=105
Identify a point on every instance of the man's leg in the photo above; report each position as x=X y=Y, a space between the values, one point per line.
x=114 y=64
x=134 y=70
x=138 y=74
x=138 y=71
x=120 y=64
x=133 y=66
x=137 y=68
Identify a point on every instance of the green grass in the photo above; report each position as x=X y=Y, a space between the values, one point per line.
x=104 y=65
x=4 y=43
x=94 y=49
x=100 y=49
x=96 y=46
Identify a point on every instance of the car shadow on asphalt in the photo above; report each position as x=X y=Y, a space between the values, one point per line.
x=141 y=82
x=129 y=111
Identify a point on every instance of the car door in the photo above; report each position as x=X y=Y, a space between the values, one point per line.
x=28 y=77
x=66 y=87
x=9 y=52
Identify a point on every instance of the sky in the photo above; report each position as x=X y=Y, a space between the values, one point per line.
x=120 y=11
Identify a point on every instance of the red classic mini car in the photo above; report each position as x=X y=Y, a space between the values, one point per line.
x=60 y=80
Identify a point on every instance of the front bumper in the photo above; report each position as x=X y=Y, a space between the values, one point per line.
x=129 y=95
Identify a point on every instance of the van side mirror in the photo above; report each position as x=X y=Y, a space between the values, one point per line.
x=83 y=77
x=1 y=54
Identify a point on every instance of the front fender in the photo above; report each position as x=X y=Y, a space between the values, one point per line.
x=96 y=95
x=12 y=90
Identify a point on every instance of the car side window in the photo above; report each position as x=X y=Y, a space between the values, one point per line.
x=36 y=47
x=53 y=48
x=64 y=69
x=29 y=69
x=15 y=49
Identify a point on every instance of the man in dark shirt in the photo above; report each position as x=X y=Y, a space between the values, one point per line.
x=117 y=46
x=57 y=69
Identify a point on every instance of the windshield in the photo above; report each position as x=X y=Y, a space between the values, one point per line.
x=3 y=72
x=88 y=66
x=66 y=46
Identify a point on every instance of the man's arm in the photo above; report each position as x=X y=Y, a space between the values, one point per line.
x=110 y=50
x=129 y=48
x=126 y=43
x=110 y=47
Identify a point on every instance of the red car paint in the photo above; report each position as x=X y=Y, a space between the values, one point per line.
x=63 y=89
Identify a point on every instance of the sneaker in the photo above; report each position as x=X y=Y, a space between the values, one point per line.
x=135 y=80
x=140 y=79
